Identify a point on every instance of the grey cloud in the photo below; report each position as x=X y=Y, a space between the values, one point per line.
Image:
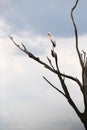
x=43 y=16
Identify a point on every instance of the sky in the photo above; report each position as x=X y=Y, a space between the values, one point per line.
x=27 y=101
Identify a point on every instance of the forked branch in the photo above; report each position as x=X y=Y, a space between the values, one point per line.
x=54 y=86
x=57 y=70
x=51 y=68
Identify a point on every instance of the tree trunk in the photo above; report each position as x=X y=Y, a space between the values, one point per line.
x=85 y=125
x=84 y=119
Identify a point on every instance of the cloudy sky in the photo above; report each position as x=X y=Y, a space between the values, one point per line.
x=27 y=101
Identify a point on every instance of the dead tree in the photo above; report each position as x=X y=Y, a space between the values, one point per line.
x=56 y=70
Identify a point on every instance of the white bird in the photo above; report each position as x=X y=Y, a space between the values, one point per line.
x=53 y=53
x=52 y=39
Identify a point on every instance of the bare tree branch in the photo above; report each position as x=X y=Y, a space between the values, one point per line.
x=64 y=87
x=54 y=86
x=76 y=33
x=74 y=79
x=67 y=95
x=34 y=57
x=84 y=59
x=50 y=63
x=44 y=64
x=56 y=61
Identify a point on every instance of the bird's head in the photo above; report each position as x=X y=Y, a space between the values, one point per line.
x=49 y=34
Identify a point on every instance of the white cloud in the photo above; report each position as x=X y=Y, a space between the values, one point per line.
x=27 y=102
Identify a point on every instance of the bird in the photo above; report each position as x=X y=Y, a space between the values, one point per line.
x=53 y=53
x=52 y=39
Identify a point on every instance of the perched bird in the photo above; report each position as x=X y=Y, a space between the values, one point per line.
x=52 y=39
x=53 y=53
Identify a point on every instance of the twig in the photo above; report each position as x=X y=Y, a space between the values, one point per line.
x=50 y=63
x=54 y=86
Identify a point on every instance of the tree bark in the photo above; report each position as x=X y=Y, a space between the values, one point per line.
x=85 y=125
x=84 y=119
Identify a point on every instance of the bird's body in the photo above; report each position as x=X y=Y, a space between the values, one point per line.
x=52 y=39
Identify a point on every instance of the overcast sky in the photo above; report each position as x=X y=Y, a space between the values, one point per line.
x=27 y=101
